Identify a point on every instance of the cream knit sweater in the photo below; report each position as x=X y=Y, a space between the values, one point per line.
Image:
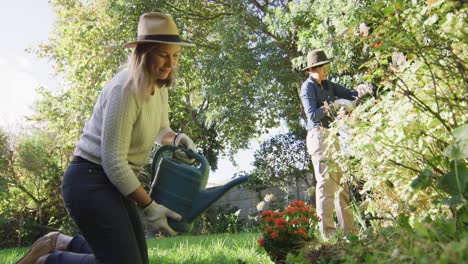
x=121 y=131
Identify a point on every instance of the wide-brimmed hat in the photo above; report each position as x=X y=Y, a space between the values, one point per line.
x=156 y=27
x=316 y=58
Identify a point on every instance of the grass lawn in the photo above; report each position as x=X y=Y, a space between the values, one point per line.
x=219 y=248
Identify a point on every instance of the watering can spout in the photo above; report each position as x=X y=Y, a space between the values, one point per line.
x=205 y=198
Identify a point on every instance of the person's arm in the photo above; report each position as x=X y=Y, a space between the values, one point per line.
x=343 y=92
x=120 y=112
x=166 y=136
x=141 y=197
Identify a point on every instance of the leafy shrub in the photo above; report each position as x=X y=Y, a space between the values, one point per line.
x=414 y=57
x=222 y=219
x=432 y=241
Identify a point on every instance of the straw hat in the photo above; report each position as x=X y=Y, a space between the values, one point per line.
x=316 y=58
x=157 y=28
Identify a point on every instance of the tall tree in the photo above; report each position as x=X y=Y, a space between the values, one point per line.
x=234 y=86
x=281 y=161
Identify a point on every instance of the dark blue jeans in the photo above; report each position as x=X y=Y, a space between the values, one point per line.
x=108 y=221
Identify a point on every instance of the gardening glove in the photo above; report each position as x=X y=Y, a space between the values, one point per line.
x=344 y=104
x=156 y=217
x=363 y=89
x=182 y=140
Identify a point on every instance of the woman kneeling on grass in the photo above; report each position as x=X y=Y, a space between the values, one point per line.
x=100 y=188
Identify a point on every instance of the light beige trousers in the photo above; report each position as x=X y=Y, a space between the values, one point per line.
x=330 y=193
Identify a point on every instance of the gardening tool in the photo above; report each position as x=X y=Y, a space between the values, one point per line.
x=181 y=187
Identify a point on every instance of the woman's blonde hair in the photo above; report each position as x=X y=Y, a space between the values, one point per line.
x=141 y=78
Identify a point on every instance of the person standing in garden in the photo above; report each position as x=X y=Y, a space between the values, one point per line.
x=100 y=187
x=318 y=97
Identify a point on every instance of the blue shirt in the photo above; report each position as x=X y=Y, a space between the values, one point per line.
x=313 y=96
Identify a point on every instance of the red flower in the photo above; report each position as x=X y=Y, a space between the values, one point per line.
x=284 y=229
x=291 y=211
x=274 y=234
x=280 y=222
x=377 y=44
x=278 y=214
x=261 y=241
x=296 y=203
x=302 y=233
x=267 y=213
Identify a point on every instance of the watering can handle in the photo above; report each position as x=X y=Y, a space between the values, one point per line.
x=168 y=148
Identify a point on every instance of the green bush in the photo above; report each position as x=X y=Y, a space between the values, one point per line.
x=428 y=242
x=222 y=219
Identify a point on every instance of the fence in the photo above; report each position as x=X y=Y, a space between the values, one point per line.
x=247 y=200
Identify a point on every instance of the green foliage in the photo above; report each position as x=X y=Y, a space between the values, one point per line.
x=30 y=178
x=222 y=219
x=412 y=56
x=429 y=242
x=227 y=221
x=408 y=137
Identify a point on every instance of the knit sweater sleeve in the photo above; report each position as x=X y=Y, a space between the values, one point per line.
x=120 y=112
x=165 y=125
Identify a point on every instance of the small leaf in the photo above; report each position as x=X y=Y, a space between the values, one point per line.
x=454 y=182
x=459 y=149
x=426 y=172
x=420 y=182
x=403 y=221
x=388 y=11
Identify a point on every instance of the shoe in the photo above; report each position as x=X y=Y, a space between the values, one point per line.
x=41 y=247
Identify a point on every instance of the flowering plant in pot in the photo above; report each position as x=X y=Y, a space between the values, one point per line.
x=287 y=231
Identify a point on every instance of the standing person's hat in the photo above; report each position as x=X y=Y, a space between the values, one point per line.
x=157 y=28
x=316 y=58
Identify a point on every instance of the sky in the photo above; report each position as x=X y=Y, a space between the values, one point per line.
x=24 y=24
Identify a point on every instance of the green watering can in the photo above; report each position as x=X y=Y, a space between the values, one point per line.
x=181 y=187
